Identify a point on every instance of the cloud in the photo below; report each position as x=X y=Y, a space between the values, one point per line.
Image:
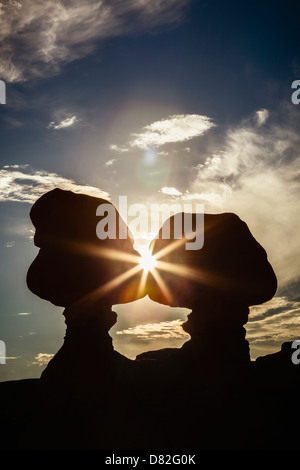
x=68 y=122
x=10 y=357
x=150 y=336
x=205 y=197
x=261 y=116
x=110 y=162
x=254 y=171
x=116 y=148
x=170 y=191
x=176 y=128
x=166 y=329
x=16 y=166
x=276 y=305
x=20 y=183
x=271 y=324
x=42 y=359
x=39 y=37
x=20 y=314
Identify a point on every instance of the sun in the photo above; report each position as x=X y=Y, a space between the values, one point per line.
x=147 y=261
x=144 y=263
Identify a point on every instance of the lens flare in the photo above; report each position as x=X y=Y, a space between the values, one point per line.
x=147 y=261
x=144 y=264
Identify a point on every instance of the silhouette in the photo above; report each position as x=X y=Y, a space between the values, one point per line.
x=230 y=273
x=206 y=395
x=70 y=270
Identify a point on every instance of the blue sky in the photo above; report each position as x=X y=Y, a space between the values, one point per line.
x=172 y=101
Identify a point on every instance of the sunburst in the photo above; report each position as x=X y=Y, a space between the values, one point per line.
x=147 y=260
x=145 y=263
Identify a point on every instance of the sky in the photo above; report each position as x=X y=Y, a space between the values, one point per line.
x=162 y=101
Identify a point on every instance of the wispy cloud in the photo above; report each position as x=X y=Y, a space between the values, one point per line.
x=213 y=198
x=271 y=324
x=262 y=116
x=116 y=148
x=166 y=329
x=272 y=307
x=159 y=327
x=39 y=37
x=8 y=358
x=20 y=314
x=21 y=183
x=68 y=122
x=42 y=359
x=150 y=336
x=170 y=191
x=176 y=128
x=255 y=172
x=110 y=162
x=17 y=166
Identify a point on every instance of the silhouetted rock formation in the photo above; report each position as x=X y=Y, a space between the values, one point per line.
x=205 y=395
x=73 y=269
x=218 y=282
x=73 y=261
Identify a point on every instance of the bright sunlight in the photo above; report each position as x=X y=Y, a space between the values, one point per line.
x=147 y=261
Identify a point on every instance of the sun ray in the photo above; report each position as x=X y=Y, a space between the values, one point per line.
x=198 y=275
x=117 y=281
x=108 y=253
x=169 y=248
x=103 y=290
x=142 y=283
x=145 y=263
x=117 y=255
x=162 y=285
x=93 y=250
x=183 y=270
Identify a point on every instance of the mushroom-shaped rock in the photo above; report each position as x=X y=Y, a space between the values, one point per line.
x=87 y=275
x=231 y=264
x=218 y=281
x=73 y=262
